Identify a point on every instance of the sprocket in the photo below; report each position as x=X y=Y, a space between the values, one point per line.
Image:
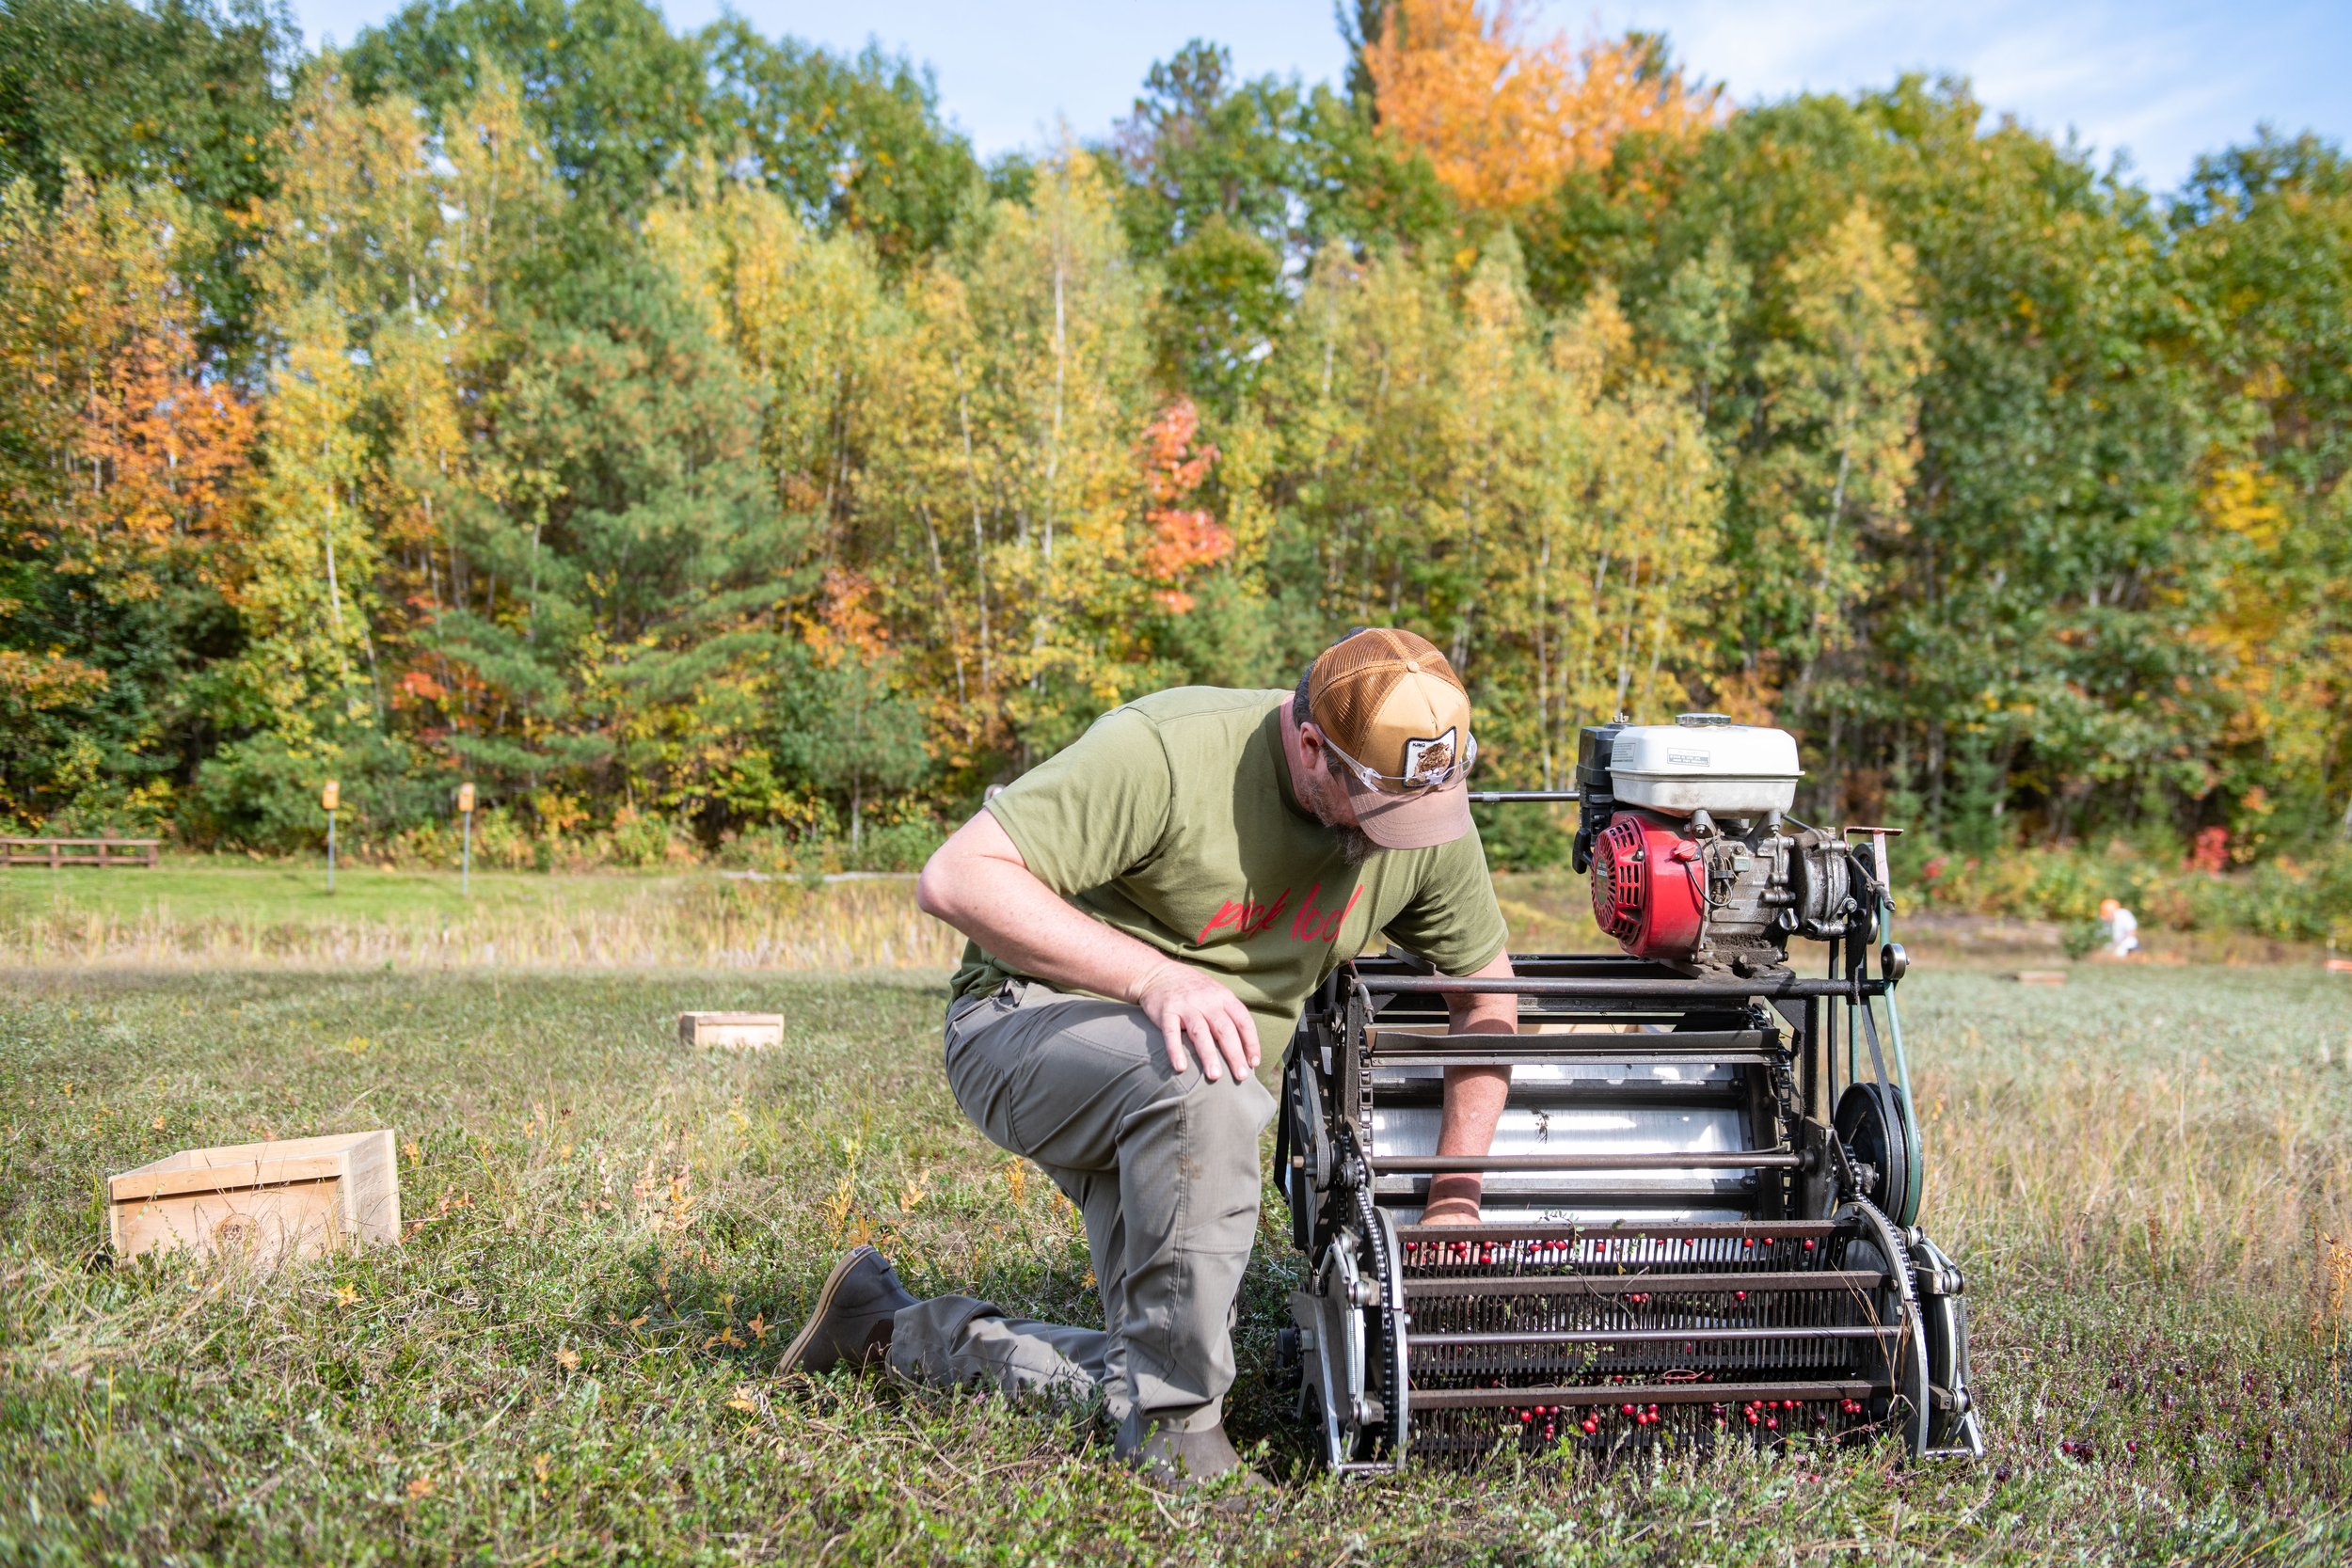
x=1879 y=1245
x=1385 y=1349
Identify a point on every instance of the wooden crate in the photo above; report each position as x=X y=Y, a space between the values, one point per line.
x=296 y=1197
x=736 y=1031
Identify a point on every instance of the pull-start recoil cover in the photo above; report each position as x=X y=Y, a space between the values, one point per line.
x=1649 y=891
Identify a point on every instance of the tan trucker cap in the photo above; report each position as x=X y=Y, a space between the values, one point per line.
x=1388 y=702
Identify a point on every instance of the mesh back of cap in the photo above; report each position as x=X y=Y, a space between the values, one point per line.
x=1353 y=678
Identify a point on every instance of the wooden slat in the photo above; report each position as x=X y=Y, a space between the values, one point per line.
x=111 y=842
x=133 y=1186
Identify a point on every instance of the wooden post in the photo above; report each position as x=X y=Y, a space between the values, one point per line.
x=465 y=866
x=331 y=796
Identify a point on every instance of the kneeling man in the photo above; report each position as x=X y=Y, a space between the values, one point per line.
x=1149 y=911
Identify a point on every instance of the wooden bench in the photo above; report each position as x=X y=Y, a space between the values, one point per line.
x=55 y=852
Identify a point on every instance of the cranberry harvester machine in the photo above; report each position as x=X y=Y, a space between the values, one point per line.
x=1700 y=1208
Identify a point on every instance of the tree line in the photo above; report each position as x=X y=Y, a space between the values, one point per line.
x=691 y=431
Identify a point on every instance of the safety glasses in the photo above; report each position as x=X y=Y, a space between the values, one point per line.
x=1425 y=780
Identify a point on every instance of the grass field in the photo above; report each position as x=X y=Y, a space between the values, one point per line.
x=571 y=1359
x=294 y=892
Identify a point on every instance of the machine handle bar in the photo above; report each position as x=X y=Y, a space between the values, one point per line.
x=1729 y=990
x=1446 y=1164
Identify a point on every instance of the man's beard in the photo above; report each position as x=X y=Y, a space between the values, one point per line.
x=1353 y=844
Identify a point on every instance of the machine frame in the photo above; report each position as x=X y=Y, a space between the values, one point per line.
x=1643 y=1298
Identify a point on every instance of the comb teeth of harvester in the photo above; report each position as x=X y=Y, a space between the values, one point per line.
x=1634 y=1338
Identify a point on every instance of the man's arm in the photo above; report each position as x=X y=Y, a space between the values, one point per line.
x=1473 y=1095
x=978 y=882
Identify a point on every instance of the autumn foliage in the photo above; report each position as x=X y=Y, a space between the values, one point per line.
x=1503 y=117
x=686 y=435
x=1183 y=538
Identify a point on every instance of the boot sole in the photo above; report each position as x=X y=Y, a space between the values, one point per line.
x=823 y=1308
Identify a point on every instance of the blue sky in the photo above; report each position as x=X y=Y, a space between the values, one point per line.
x=2164 y=79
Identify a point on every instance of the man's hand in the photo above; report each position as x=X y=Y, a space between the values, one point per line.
x=979 y=883
x=1184 y=1002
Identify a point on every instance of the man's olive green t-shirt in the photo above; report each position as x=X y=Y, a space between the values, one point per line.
x=1173 y=819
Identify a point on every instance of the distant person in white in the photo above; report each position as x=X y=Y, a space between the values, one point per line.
x=2122 y=928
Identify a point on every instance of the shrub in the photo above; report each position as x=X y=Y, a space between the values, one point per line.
x=900 y=847
x=1524 y=837
x=258 y=793
x=643 y=842
x=2082 y=938
x=2283 y=898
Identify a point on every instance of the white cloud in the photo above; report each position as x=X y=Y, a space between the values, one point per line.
x=2166 y=79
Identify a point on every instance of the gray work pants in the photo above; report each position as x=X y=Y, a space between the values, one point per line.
x=1164 y=1167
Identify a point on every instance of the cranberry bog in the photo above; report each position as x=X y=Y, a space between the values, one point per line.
x=609 y=1236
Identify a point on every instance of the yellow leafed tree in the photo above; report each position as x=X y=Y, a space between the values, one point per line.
x=1524 y=493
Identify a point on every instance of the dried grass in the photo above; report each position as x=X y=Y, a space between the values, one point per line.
x=834 y=927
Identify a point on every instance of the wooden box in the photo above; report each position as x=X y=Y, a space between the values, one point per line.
x=735 y=1030
x=296 y=1197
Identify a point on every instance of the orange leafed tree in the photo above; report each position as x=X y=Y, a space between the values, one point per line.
x=1183 y=538
x=1504 y=119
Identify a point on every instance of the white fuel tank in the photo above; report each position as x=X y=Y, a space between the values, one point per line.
x=1705 y=762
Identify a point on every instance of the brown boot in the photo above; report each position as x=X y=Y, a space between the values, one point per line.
x=1188 y=1461
x=850 y=1322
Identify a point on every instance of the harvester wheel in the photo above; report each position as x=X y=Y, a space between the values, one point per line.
x=1953 y=1429
x=1871 y=1124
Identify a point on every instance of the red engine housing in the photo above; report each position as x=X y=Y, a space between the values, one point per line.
x=1649 y=890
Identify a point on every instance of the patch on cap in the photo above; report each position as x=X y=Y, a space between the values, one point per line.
x=1427 y=761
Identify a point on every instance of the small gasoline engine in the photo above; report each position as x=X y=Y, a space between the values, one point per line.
x=1701 y=1205
x=1693 y=860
